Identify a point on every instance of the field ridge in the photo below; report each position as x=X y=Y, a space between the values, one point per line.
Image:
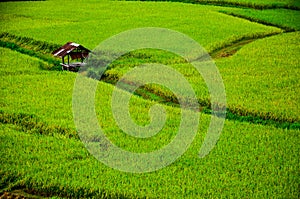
x=244 y=5
x=31 y=123
x=12 y=42
x=256 y=20
x=15 y=187
x=231 y=48
x=236 y=4
x=31 y=47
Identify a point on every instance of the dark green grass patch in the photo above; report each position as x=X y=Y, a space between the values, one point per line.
x=32 y=124
x=13 y=63
x=282 y=18
x=254 y=4
x=31 y=47
x=29 y=43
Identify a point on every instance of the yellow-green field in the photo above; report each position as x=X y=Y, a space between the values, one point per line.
x=257 y=153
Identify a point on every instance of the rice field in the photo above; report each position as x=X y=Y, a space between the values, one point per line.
x=256 y=155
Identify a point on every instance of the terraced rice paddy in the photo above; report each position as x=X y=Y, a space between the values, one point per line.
x=256 y=52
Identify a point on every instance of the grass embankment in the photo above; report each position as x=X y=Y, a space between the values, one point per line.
x=33 y=48
x=287 y=20
x=281 y=18
x=249 y=159
x=256 y=4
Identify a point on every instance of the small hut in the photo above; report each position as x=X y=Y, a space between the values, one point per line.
x=72 y=50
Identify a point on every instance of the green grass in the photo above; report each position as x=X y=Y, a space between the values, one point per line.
x=266 y=88
x=254 y=4
x=52 y=104
x=45 y=20
x=208 y=32
x=249 y=159
x=263 y=77
x=283 y=18
x=260 y=4
x=46 y=62
x=11 y=66
x=40 y=150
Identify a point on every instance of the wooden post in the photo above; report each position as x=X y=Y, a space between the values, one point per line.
x=68 y=59
x=63 y=60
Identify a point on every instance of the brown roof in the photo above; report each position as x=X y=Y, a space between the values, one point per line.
x=68 y=48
